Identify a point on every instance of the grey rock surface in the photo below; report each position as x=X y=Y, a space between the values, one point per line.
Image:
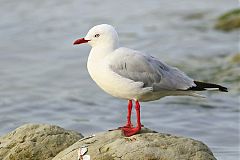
x=36 y=142
x=148 y=145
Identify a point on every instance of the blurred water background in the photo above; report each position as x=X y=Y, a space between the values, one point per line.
x=43 y=77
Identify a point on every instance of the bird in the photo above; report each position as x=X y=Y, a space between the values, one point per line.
x=133 y=75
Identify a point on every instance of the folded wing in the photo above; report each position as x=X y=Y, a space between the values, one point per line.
x=153 y=73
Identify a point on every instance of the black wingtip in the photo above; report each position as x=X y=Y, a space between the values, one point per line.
x=223 y=89
x=201 y=86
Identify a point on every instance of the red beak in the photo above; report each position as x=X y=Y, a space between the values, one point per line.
x=80 y=41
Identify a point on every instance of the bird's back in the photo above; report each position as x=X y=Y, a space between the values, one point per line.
x=152 y=72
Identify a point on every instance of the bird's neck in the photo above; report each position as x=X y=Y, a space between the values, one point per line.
x=96 y=60
x=99 y=52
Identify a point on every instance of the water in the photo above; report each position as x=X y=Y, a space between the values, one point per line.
x=43 y=78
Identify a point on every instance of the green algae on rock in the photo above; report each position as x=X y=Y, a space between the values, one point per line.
x=229 y=21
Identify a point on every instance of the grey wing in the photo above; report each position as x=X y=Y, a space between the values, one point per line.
x=153 y=73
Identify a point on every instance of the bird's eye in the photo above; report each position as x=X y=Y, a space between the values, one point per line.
x=96 y=35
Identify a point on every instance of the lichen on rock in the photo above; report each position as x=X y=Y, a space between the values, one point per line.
x=36 y=142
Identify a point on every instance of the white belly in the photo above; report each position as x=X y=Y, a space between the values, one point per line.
x=113 y=83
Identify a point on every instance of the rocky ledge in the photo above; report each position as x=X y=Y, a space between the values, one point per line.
x=38 y=142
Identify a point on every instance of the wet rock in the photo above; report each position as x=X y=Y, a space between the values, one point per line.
x=148 y=145
x=229 y=21
x=36 y=142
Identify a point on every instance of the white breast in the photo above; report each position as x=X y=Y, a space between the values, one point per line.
x=113 y=83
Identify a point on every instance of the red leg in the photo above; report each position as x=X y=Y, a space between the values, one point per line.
x=130 y=130
x=138 y=115
x=129 y=123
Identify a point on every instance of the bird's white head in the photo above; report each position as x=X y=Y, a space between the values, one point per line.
x=103 y=35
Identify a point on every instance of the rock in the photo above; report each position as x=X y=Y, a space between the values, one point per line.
x=36 y=142
x=148 y=145
x=229 y=21
x=235 y=59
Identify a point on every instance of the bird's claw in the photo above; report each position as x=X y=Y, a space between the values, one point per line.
x=128 y=125
x=130 y=131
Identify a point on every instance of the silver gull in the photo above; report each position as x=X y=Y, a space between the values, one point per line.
x=132 y=75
